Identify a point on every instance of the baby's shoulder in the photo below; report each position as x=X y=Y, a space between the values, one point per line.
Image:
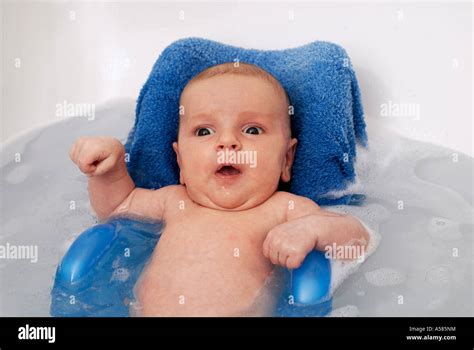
x=287 y=198
x=280 y=201
x=293 y=205
x=173 y=188
x=281 y=196
x=172 y=191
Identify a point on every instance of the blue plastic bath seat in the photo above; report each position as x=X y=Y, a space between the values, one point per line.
x=97 y=274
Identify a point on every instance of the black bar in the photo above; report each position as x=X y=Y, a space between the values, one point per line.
x=89 y=331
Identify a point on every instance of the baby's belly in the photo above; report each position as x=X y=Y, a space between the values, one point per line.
x=208 y=273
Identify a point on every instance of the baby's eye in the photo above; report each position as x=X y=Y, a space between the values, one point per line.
x=203 y=131
x=253 y=130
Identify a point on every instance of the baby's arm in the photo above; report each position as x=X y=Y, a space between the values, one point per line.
x=111 y=189
x=309 y=227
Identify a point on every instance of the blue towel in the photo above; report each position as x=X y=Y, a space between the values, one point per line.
x=320 y=84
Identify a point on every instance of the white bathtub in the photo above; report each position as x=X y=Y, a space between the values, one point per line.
x=419 y=199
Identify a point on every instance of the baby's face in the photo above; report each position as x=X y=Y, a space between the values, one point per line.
x=233 y=113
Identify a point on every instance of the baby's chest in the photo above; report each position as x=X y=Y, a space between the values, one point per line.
x=210 y=234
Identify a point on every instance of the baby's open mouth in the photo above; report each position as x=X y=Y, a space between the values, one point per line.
x=227 y=170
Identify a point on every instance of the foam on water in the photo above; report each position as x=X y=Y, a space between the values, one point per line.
x=423 y=265
x=419 y=208
x=444 y=229
x=345 y=311
x=385 y=277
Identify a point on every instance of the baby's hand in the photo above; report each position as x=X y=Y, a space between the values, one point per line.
x=289 y=243
x=97 y=155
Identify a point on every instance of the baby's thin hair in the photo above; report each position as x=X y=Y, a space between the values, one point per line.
x=240 y=68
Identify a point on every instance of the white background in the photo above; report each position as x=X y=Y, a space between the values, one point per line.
x=84 y=52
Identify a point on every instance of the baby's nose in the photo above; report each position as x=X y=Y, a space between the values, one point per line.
x=228 y=140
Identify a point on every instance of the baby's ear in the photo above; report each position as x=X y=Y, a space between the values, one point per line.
x=175 y=148
x=289 y=158
x=178 y=159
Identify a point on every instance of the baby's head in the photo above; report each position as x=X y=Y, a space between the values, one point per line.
x=234 y=142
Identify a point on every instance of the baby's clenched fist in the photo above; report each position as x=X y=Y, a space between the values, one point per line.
x=98 y=155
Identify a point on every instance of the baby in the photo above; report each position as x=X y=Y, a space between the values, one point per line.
x=226 y=223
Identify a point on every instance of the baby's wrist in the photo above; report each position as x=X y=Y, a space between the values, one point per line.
x=319 y=228
x=119 y=171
